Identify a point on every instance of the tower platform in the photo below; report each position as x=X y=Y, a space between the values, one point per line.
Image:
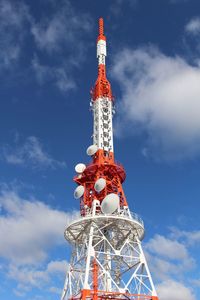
x=121 y=224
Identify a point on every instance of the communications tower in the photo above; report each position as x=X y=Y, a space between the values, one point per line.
x=107 y=259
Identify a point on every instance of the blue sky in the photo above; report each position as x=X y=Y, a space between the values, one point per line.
x=47 y=68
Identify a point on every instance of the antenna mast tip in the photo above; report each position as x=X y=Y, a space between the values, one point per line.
x=101 y=26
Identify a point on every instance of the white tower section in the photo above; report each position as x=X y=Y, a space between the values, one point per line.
x=101 y=52
x=102 y=106
x=103 y=128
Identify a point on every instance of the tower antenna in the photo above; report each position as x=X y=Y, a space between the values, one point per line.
x=107 y=261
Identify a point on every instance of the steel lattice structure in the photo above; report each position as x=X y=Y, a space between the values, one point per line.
x=107 y=260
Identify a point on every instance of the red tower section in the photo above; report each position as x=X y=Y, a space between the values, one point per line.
x=102 y=86
x=103 y=164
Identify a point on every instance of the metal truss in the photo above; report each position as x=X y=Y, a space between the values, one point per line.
x=113 y=243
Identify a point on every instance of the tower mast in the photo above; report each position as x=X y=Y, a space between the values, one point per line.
x=102 y=104
x=107 y=260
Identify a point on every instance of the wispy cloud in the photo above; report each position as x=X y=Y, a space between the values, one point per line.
x=13 y=19
x=116 y=6
x=160 y=96
x=62 y=28
x=193 y=26
x=30 y=153
x=192 y=238
x=59 y=36
x=55 y=75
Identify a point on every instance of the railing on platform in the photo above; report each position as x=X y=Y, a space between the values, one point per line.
x=124 y=213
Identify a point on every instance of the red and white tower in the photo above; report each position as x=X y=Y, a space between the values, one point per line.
x=107 y=259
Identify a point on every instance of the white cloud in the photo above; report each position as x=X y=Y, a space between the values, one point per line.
x=57 y=75
x=30 y=153
x=13 y=19
x=190 y=237
x=196 y=282
x=174 y=290
x=57 y=41
x=162 y=269
x=28 y=228
x=48 y=36
x=169 y=258
x=28 y=277
x=57 y=267
x=170 y=263
x=160 y=97
x=63 y=28
x=193 y=26
x=167 y=248
x=61 y=35
x=55 y=290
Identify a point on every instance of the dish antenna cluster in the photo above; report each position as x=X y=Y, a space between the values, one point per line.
x=110 y=203
x=108 y=261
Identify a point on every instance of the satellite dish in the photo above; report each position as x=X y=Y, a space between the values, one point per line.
x=100 y=185
x=79 y=191
x=80 y=168
x=110 y=203
x=91 y=150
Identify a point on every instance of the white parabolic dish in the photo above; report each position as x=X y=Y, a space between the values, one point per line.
x=79 y=192
x=100 y=185
x=110 y=203
x=80 y=168
x=91 y=150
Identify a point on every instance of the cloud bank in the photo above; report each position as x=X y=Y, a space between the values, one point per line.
x=170 y=262
x=160 y=98
x=29 y=231
x=175 y=291
x=29 y=228
x=28 y=277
